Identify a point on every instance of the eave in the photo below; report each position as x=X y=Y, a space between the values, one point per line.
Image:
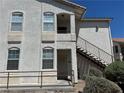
x=106 y=19
x=79 y=10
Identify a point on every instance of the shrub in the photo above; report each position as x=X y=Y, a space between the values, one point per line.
x=100 y=85
x=95 y=72
x=115 y=72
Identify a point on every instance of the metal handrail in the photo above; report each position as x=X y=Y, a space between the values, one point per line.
x=99 y=50
x=8 y=75
x=95 y=46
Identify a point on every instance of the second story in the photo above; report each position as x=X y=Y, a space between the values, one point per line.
x=54 y=20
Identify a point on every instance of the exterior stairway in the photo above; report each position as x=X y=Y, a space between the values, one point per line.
x=93 y=52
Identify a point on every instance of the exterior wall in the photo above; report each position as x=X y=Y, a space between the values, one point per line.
x=101 y=38
x=32 y=36
x=28 y=37
x=98 y=34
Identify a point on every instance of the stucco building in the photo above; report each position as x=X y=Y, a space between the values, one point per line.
x=52 y=40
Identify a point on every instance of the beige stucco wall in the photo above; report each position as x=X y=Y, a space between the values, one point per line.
x=32 y=35
x=101 y=38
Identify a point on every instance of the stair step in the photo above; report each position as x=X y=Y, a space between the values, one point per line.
x=91 y=55
x=78 y=47
x=88 y=53
x=96 y=58
x=82 y=50
x=103 y=61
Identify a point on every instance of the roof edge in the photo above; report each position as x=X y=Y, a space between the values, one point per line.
x=72 y=4
x=97 y=19
x=118 y=40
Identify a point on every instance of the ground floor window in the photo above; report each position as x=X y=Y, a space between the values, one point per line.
x=48 y=58
x=13 y=59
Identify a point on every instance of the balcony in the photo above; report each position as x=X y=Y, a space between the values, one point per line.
x=64 y=25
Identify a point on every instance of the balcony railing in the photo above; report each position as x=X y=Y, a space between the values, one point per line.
x=32 y=79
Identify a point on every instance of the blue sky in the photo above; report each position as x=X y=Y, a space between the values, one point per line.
x=107 y=8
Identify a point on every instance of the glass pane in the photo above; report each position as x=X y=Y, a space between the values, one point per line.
x=49 y=17
x=48 y=27
x=16 y=26
x=48 y=22
x=48 y=54
x=47 y=64
x=17 y=17
x=12 y=65
x=13 y=54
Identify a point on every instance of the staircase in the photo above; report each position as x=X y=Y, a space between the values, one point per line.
x=95 y=53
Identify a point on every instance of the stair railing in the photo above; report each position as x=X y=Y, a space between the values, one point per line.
x=94 y=51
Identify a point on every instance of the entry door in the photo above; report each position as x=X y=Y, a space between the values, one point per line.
x=63 y=64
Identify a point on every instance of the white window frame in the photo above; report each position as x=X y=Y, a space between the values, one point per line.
x=51 y=57
x=15 y=21
x=13 y=58
x=49 y=22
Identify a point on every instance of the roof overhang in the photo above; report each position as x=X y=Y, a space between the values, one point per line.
x=97 y=19
x=79 y=10
x=119 y=40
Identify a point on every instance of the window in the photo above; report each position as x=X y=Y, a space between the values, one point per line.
x=48 y=57
x=48 y=21
x=116 y=49
x=17 y=21
x=13 y=59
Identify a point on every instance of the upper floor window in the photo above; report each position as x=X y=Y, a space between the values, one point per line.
x=48 y=21
x=17 y=21
x=48 y=57
x=13 y=58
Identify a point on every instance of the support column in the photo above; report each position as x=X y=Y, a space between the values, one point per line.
x=74 y=54
x=74 y=63
x=72 y=23
x=72 y=27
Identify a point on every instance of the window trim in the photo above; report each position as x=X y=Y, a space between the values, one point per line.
x=43 y=18
x=11 y=21
x=14 y=59
x=53 y=59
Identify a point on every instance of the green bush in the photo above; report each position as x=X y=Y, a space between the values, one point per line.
x=115 y=72
x=95 y=72
x=100 y=85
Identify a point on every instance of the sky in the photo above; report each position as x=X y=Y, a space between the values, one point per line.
x=106 y=8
